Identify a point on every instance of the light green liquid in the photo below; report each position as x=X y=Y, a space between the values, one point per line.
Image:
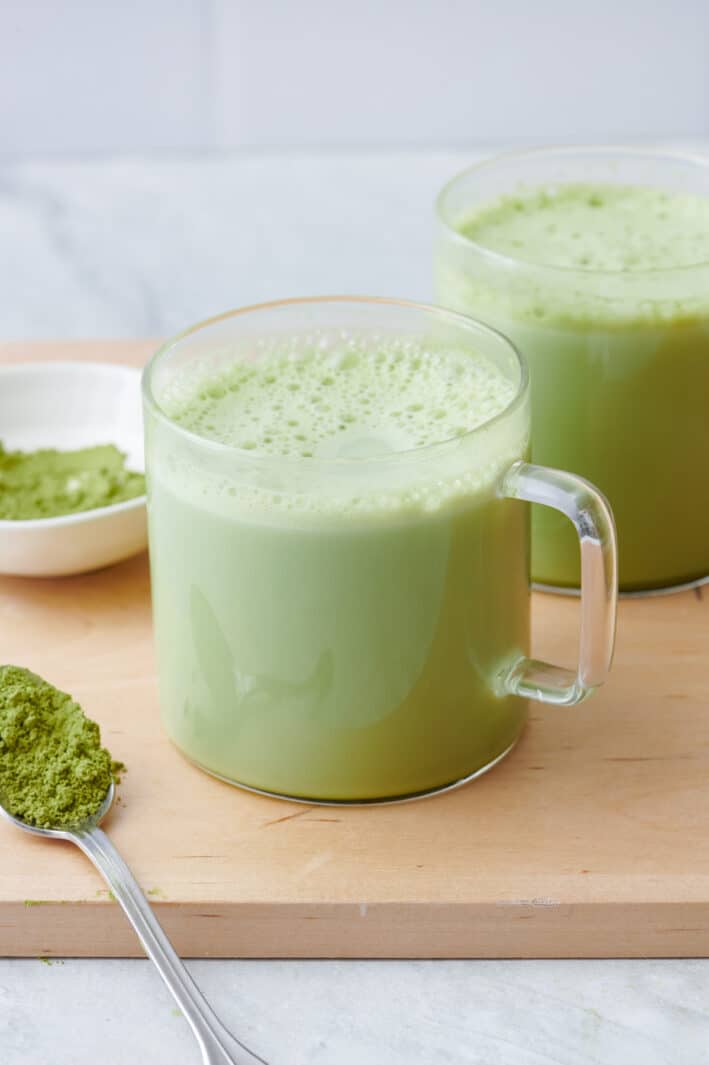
x=346 y=641
x=619 y=361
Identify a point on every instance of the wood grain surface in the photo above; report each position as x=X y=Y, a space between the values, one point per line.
x=589 y=840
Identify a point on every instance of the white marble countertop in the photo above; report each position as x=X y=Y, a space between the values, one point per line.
x=143 y=247
x=364 y=1013
x=137 y=247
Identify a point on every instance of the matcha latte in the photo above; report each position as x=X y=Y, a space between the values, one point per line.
x=339 y=548
x=597 y=265
x=339 y=588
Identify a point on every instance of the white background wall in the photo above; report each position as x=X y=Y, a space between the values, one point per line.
x=96 y=76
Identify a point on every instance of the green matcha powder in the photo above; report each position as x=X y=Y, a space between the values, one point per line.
x=49 y=483
x=53 y=770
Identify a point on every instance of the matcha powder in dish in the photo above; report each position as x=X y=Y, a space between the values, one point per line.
x=50 y=483
x=54 y=773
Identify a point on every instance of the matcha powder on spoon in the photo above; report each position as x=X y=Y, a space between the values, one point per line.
x=53 y=770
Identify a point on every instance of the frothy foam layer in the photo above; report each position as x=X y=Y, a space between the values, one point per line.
x=353 y=402
x=596 y=227
x=585 y=256
x=338 y=398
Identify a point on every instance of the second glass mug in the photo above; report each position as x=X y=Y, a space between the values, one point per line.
x=324 y=631
x=619 y=357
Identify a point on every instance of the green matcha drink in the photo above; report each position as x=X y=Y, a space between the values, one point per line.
x=340 y=579
x=597 y=266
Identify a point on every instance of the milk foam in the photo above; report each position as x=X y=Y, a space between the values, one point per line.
x=350 y=402
x=584 y=255
x=340 y=401
x=596 y=227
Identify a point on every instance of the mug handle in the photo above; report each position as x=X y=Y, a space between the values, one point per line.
x=591 y=515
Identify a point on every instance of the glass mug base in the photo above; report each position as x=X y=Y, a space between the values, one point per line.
x=638 y=593
x=385 y=801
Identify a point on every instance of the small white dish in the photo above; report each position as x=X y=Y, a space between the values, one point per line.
x=68 y=405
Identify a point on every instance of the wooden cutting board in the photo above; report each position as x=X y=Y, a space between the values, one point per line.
x=591 y=839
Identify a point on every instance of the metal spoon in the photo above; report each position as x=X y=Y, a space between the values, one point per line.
x=218 y=1046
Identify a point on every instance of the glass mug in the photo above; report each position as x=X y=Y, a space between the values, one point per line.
x=619 y=361
x=355 y=628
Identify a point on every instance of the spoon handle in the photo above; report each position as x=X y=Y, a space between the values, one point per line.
x=218 y=1046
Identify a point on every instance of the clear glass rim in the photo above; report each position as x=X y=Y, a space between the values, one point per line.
x=261 y=461
x=696 y=160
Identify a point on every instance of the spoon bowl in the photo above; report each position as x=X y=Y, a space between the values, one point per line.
x=68 y=832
